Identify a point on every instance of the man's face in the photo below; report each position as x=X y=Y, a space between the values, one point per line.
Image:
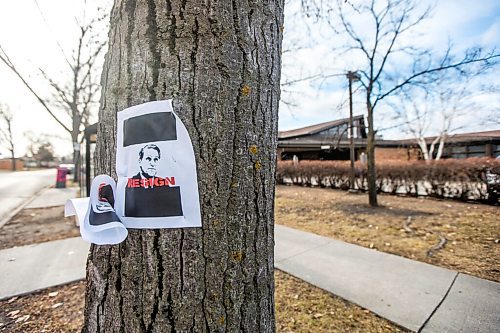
x=148 y=162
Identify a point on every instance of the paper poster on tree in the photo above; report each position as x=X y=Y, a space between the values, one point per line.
x=155 y=163
x=157 y=181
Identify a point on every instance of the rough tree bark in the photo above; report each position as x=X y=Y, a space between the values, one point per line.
x=220 y=61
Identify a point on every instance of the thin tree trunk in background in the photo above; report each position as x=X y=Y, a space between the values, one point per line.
x=220 y=62
x=423 y=148
x=441 y=146
x=11 y=143
x=13 y=159
x=370 y=147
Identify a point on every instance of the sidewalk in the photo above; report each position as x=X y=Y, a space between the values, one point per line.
x=51 y=197
x=412 y=294
x=34 y=267
x=415 y=295
x=29 y=268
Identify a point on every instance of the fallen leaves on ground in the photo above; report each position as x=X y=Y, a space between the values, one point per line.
x=300 y=308
x=58 y=310
x=37 y=225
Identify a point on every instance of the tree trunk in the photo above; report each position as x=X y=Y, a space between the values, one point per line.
x=370 y=150
x=220 y=62
x=423 y=148
x=13 y=159
x=76 y=150
x=442 y=140
x=433 y=147
x=10 y=139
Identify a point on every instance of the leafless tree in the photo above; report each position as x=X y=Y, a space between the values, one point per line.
x=436 y=109
x=6 y=137
x=294 y=73
x=374 y=33
x=40 y=147
x=44 y=152
x=72 y=101
x=417 y=113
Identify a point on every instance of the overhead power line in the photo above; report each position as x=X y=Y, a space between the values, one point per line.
x=61 y=49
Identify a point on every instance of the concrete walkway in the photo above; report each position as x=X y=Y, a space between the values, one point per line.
x=29 y=268
x=51 y=197
x=38 y=266
x=415 y=295
x=412 y=294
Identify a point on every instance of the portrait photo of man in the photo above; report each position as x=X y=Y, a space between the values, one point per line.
x=149 y=157
x=148 y=193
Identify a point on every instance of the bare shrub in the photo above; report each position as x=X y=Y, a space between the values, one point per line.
x=462 y=179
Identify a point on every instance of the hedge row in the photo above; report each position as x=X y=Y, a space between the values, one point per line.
x=463 y=179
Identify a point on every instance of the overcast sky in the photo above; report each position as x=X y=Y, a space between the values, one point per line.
x=30 y=31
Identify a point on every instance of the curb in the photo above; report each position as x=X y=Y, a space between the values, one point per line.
x=21 y=207
x=35 y=291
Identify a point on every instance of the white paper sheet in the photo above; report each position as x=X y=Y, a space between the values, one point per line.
x=77 y=207
x=98 y=221
x=157 y=179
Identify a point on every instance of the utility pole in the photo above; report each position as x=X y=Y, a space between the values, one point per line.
x=352 y=76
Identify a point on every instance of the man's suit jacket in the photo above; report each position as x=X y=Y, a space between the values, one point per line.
x=156 y=201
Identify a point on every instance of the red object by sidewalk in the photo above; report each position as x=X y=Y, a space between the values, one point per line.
x=61 y=177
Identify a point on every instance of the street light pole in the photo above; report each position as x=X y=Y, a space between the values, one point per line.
x=352 y=76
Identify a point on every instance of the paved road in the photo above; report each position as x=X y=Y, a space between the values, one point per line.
x=17 y=187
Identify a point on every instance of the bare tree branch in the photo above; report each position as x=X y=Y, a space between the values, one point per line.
x=73 y=100
x=467 y=60
x=5 y=59
x=61 y=49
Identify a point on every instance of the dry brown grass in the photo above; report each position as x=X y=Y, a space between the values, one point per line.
x=300 y=308
x=37 y=225
x=472 y=230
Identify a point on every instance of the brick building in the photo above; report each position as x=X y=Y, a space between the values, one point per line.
x=330 y=141
x=6 y=164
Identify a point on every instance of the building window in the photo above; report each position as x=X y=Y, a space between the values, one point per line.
x=476 y=149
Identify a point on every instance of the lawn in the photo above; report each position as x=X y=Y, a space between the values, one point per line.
x=300 y=307
x=404 y=226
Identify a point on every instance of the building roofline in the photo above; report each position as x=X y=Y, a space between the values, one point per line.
x=313 y=129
